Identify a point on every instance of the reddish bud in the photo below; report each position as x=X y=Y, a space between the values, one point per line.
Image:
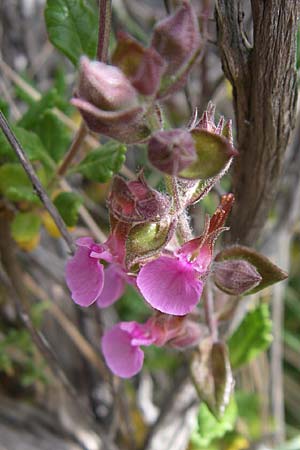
x=177 y=37
x=109 y=103
x=172 y=151
x=135 y=201
x=128 y=54
x=148 y=76
x=106 y=87
x=190 y=335
x=236 y=276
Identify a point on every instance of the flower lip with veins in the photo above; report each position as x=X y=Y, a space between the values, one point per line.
x=87 y=279
x=173 y=284
x=121 y=344
x=170 y=285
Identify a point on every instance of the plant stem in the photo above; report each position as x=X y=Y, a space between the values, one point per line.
x=209 y=311
x=73 y=150
x=102 y=52
x=167 y=6
x=104 y=29
x=184 y=230
x=36 y=182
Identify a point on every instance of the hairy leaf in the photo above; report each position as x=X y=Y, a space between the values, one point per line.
x=209 y=428
x=100 y=164
x=53 y=134
x=14 y=184
x=37 y=108
x=73 y=27
x=25 y=226
x=68 y=204
x=31 y=144
x=253 y=336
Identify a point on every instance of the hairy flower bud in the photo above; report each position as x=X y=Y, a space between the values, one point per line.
x=214 y=147
x=236 y=276
x=136 y=202
x=148 y=76
x=172 y=151
x=177 y=37
x=109 y=103
x=106 y=87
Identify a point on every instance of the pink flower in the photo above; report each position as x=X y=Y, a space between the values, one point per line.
x=121 y=344
x=87 y=279
x=173 y=284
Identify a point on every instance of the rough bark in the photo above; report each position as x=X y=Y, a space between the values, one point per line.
x=263 y=78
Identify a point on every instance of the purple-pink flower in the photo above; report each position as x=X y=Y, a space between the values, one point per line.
x=173 y=283
x=121 y=343
x=88 y=280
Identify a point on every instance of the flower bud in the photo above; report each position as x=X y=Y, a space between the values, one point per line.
x=177 y=37
x=172 y=151
x=135 y=201
x=128 y=54
x=236 y=276
x=106 y=87
x=148 y=76
x=214 y=147
x=109 y=103
x=189 y=335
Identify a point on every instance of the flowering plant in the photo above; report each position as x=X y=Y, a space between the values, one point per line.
x=151 y=244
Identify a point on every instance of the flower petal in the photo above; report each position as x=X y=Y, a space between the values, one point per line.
x=114 y=285
x=84 y=276
x=123 y=358
x=170 y=285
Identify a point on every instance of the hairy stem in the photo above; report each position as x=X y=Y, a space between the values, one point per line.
x=72 y=152
x=104 y=29
x=209 y=311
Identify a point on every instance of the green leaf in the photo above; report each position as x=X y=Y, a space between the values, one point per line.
x=37 y=108
x=210 y=428
x=269 y=272
x=100 y=164
x=131 y=304
x=253 y=336
x=73 y=27
x=68 y=204
x=31 y=145
x=4 y=107
x=15 y=185
x=213 y=154
x=25 y=226
x=53 y=134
